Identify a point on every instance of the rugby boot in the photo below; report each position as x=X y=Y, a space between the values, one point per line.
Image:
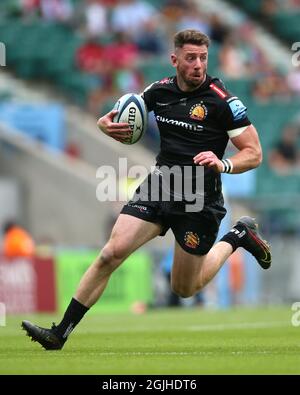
x=46 y=337
x=252 y=241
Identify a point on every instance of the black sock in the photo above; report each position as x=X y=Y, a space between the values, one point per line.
x=235 y=236
x=72 y=317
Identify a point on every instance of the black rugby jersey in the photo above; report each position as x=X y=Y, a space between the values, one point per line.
x=192 y=122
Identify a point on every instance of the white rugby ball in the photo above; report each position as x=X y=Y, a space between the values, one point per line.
x=132 y=109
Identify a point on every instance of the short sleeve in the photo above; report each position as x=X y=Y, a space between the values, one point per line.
x=233 y=115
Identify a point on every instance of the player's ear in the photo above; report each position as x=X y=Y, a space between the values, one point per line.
x=174 y=60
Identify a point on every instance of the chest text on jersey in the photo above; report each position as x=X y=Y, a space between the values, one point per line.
x=188 y=126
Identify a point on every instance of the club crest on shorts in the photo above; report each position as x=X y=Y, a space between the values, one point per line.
x=198 y=111
x=191 y=239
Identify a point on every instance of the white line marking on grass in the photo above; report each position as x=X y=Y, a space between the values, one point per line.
x=193 y=328
x=242 y=325
x=183 y=353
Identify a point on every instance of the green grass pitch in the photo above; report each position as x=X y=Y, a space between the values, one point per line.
x=180 y=341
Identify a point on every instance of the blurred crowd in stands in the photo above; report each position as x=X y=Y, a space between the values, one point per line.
x=121 y=33
x=284 y=157
x=273 y=7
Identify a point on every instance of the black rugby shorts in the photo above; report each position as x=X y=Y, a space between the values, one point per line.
x=195 y=232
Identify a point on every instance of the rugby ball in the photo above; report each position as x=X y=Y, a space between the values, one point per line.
x=132 y=109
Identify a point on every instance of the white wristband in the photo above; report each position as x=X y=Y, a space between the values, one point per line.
x=227 y=166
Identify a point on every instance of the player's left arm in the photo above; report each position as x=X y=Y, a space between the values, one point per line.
x=249 y=155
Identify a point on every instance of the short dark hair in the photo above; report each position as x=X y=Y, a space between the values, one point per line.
x=190 y=36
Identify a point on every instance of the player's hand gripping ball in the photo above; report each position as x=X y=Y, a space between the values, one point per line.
x=132 y=109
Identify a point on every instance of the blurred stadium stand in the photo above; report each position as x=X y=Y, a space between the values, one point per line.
x=47 y=181
x=43 y=65
x=51 y=181
x=281 y=17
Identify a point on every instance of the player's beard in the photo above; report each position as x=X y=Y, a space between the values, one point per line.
x=192 y=81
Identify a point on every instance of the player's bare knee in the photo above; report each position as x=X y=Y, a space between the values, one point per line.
x=107 y=260
x=112 y=255
x=182 y=290
x=120 y=249
x=106 y=257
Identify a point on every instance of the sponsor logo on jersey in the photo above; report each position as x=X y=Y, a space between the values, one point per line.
x=237 y=108
x=198 y=111
x=191 y=239
x=188 y=126
x=142 y=209
x=218 y=90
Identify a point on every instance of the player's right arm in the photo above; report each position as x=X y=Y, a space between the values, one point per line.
x=121 y=131
x=118 y=131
